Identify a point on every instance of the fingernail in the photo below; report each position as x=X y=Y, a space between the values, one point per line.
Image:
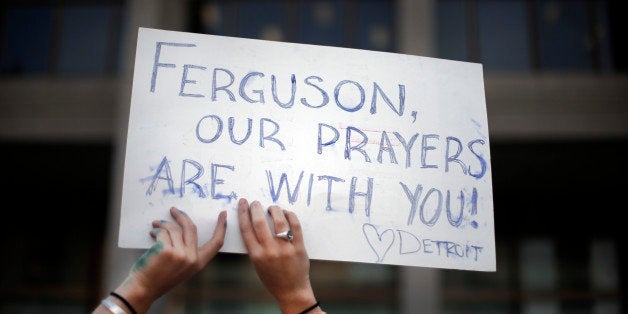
x=162 y=221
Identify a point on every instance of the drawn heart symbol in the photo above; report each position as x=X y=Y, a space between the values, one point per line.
x=380 y=243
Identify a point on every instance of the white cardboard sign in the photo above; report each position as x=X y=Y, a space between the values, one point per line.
x=384 y=157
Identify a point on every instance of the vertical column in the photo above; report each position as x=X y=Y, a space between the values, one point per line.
x=415 y=27
x=162 y=14
x=539 y=276
x=420 y=287
x=420 y=290
x=604 y=276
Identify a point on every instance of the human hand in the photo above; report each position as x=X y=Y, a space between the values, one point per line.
x=173 y=258
x=283 y=266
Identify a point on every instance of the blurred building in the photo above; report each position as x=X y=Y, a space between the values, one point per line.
x=557 y=100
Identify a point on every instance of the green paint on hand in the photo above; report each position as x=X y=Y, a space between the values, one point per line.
x=127 y=281
x=145 y=258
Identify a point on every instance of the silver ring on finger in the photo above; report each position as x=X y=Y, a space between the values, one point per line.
x=286 y=235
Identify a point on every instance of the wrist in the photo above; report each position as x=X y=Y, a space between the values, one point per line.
x=135 y=294
x=296 y=303
x=313 y=309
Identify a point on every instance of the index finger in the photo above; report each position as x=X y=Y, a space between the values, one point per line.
x=208 y=250
x=260 y=223
x=246 y=227
x=190 y=237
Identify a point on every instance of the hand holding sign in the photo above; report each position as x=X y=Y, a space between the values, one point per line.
x=173 y=258
x=386 y=154
x=282 y=266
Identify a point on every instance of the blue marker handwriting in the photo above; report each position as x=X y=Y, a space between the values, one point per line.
x=401 y=242
x=226 y=86
x=425 y=205
x=409 y=150
x=425 y=151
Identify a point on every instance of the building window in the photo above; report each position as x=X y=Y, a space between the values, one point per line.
x=60 y=38
x=526 y=35
x=342 y=23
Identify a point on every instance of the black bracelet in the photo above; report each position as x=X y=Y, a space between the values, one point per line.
x=123 y=301
x=317 y=304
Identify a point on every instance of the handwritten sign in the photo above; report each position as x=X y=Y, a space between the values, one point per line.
x=384 y=157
